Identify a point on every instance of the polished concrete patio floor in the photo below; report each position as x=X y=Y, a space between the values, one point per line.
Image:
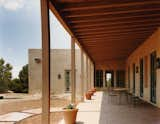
x=100 y=111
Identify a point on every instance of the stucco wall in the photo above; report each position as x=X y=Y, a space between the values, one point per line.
x=60 y=61
x=143 y=51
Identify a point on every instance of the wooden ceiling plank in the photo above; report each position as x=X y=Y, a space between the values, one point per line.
x=113 y=17
x=104 y=4
x=124 y=21
x=116 y=35
x=155 y=21
x=86 y=14
x=116 y=27
x=115 y=31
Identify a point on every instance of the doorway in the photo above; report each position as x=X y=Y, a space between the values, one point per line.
x=99 y=78
x=67 y=80
x=153 y=77
x=141 y=77
x=109 y=78
x=120 y=76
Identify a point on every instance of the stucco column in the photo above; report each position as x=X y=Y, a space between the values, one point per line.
x=45 y=62
x=104 y=81
x=82 y=75
x=73 y=72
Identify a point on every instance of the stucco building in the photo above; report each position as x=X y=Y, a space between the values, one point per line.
x=60 y=70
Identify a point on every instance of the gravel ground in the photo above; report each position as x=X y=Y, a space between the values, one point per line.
x=19 y=102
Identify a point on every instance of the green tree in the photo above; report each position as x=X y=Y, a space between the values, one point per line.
x=16 y=86
x=20 y=85
x=23 y=76
x=5 y=75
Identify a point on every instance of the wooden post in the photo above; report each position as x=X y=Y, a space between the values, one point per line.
x=45 y=62
x=90 y=74
x=73 y=75
x=87 y=73
x=82 y=76
x=104 y=82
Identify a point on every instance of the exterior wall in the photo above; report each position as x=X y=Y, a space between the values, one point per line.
x=144 y=51
x=60 y=61
x=111 y=65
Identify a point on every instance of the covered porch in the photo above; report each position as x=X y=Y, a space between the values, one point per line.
x=120 y=38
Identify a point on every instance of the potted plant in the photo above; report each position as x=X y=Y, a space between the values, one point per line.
x=70 y=114
x=93 y=89
x=88 y=95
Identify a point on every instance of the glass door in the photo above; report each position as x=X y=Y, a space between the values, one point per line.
x=141 y=77
x=153 y=77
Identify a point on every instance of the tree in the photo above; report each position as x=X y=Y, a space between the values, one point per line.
x=16 y=86
x=5 y=75
x=23 y=76
x=20 y=85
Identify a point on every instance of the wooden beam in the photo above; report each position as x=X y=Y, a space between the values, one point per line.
x=114 y=17
x=116 y=27
x=106 y=12
x=114 y=35
x=115 y=31
x=45 y=62
x=101 y=40
x=105 y=5
x=135 y=22
x=73 y=72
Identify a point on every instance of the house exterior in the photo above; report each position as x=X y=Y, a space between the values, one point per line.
x=60 y=71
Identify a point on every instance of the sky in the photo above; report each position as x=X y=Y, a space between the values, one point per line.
x=20 y=30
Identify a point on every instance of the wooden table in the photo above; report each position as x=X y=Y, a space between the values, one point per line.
x=120 y=91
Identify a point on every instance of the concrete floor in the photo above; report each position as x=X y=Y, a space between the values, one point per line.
x=101 y=111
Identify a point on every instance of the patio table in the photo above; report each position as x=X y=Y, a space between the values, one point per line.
x=120 y=91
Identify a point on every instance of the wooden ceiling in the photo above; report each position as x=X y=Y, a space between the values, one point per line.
x=110 y=29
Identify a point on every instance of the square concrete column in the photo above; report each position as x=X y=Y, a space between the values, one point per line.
x=73 y=72
x=45 y=61
x=104 y=79
x=82 y=75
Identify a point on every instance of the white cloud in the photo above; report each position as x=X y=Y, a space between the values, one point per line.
x=12 y=4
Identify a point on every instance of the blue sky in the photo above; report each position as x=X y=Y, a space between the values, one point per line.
x=20 y=29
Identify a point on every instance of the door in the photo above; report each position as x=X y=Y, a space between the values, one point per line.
x=153 y=77
x=67 y=80
x=120 y=75
x=141 y=77
x=134 y=68
x=109 y=77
